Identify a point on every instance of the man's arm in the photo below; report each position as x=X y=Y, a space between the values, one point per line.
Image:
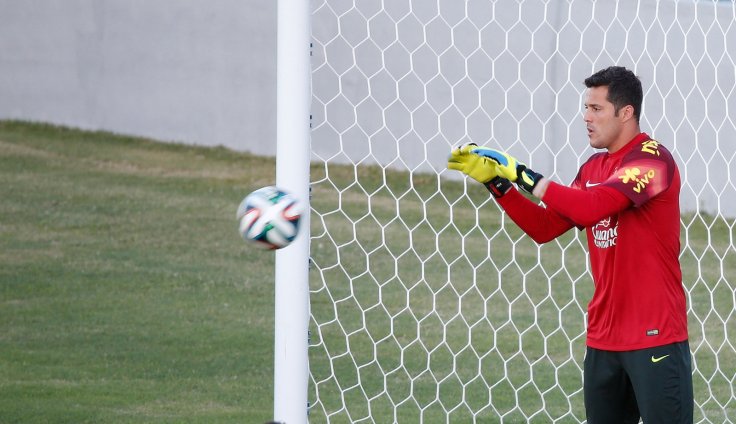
x=541 y=188
x=584 y=208
x=487 y=167
x=539 y=223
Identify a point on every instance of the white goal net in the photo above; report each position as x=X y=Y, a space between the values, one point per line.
x=427 y=303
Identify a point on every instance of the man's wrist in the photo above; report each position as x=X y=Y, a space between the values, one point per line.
x=498 y=186
x=541 y=188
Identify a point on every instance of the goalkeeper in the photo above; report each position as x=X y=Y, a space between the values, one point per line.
x=637 y=362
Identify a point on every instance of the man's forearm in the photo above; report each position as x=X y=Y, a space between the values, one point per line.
x=539 y=223
x=541 y=188
x=584 y=208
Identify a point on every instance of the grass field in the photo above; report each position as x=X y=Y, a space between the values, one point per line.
x=127 y=296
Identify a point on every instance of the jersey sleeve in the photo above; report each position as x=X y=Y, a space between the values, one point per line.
x=600 y=202
x=539 y=223
x=644 y=172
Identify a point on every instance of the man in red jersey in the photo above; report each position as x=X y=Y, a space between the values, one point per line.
x=637 y=362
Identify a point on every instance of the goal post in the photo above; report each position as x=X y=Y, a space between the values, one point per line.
x=427 y=304
x=291 y=367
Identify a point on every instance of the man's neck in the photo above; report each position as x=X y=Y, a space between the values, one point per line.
x=623 y=139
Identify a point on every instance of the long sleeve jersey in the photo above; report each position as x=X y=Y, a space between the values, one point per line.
x=628 y=204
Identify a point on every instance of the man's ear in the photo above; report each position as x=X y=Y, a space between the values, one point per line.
x=626 y=113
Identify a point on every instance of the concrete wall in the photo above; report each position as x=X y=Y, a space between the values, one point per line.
x=402 y=82
x=192 y=71
x=390 y=87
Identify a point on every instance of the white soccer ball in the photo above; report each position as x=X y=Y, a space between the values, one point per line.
x=269 y=217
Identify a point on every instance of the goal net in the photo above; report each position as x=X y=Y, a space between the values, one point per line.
x=427 y=303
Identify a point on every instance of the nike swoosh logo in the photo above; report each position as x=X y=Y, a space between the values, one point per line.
x=655 y=360
x=589 y=184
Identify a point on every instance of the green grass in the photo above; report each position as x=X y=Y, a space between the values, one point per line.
x=126 y=295
x=125 y=292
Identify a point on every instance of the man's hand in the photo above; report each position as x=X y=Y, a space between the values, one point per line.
x=477 y=167
x=508 y=167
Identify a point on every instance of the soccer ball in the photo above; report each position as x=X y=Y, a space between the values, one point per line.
x=269 y=218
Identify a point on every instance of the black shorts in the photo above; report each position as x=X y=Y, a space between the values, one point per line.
x=655 y=384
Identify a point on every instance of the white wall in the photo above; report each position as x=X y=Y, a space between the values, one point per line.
x=510 y=74
x=191 y=71
x=204 y=73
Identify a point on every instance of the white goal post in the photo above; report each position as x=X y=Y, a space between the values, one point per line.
x=293 y=98
x=426 y=303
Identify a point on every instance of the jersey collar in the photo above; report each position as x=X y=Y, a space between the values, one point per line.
x=640 y=138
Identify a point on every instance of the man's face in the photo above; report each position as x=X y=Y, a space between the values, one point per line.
x=603 y=126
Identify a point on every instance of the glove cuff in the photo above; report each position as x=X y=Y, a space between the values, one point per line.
x=527 y=179
x=498 y=186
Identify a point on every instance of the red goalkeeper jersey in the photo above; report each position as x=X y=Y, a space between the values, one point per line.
x=628 y=202
x=639 y=301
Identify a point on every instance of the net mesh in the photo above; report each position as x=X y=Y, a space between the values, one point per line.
x=427 y=303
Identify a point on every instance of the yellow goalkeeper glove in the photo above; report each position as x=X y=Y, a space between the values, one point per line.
x=478 y=168
x=510 y=168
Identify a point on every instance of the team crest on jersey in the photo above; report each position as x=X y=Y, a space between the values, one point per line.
x=651 y=147
x=605 y=233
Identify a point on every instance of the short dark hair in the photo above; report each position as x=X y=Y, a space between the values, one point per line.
x=624 y=88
